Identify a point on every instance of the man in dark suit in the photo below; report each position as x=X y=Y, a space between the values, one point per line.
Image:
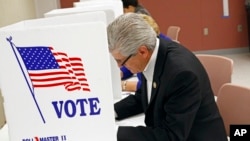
x=175 y=94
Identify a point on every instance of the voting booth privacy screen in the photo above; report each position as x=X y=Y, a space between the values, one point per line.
x=115 y=5
x=110 y=15
x=56 y=82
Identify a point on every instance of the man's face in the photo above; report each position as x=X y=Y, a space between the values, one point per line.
x=134 y=62
x=125 y=10
x=129 y=9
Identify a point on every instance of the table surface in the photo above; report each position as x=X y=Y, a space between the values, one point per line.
x=132 y=121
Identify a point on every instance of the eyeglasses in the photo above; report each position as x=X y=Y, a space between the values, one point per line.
x=124 y=62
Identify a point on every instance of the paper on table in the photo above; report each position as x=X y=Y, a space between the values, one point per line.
x=2 y=115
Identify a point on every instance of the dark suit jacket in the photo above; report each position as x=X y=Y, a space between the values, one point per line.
x=182 y=105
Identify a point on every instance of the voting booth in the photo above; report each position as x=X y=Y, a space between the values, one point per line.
x=116 y=5
x=111 y=14
x=56 y=79
x=112 y=9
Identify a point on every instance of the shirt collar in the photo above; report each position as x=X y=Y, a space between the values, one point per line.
x=149 y=69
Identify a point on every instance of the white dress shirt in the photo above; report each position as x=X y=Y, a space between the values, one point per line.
x=149 y=69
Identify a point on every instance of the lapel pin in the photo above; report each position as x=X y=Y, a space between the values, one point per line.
x=154 y=84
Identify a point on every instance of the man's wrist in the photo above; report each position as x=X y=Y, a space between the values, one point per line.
x=124 y=85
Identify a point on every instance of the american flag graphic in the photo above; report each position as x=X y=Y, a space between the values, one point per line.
x=44 y=67
x=48 y=68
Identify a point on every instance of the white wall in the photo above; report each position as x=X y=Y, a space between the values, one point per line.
x=12 y=11
x=44 y=6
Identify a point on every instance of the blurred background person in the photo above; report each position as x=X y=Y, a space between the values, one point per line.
x=134 y=7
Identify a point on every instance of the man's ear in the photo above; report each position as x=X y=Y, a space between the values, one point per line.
x=143 y=50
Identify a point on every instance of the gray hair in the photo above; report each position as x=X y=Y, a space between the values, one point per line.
x=128 y=32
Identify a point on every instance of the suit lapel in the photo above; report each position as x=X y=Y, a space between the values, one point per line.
x=158 y=69
x=144 y=91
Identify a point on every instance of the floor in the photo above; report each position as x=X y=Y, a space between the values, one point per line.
x=241 y=71
x=240 y=76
